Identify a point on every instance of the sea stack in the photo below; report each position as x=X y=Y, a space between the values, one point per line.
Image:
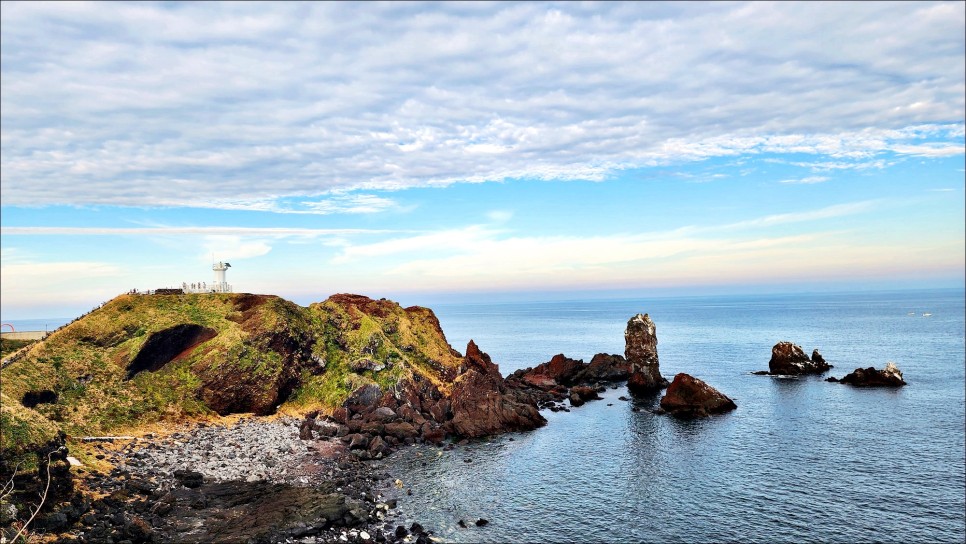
x=789 y=359
x=689 y=397
x=640 y=350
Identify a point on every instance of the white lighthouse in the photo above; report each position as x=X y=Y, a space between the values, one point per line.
x=220 y=285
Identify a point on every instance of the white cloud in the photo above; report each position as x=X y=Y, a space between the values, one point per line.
x=476 y=254
x=259 y=106
x=930 y=150
x=353 y=204
x=217 y=246
x=837 y=210
x=275 y=232
x=458 y=240
x=499 y=216
x=828 y=166
x=807 y=180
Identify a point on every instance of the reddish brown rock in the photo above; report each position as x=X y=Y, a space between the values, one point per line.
x=640 y=339
x=606 y=368
x=433 y=435
x=580 y=394
x=890 y=376
x=401 y=430
x=789 y=359
x=559 y=370
x=481 y=362
x=480 y=403
x=688 y=396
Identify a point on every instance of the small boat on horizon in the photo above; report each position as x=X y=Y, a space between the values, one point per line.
x=926 y=314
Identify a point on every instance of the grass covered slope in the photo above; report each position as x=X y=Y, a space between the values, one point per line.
x=364 y=341
x=24 y=431
x=146 y=358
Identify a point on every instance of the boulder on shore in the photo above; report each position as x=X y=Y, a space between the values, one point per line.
x=689 y=397
x=890 y=376
x=640 y=341
x=789 y=359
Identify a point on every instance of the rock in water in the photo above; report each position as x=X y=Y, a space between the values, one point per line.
x=789 y=359
x=688 y=396
x=480 y=403
x=890 y=376
x=640 y=341
x=581 y=394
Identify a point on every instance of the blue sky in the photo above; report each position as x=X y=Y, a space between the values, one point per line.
x=434 y=151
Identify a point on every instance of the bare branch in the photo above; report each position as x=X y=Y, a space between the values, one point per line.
x=43 y=497
x=7 y=488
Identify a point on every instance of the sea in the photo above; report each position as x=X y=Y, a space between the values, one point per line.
x=800 y=460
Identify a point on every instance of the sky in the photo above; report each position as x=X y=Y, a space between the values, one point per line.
x=428 y=152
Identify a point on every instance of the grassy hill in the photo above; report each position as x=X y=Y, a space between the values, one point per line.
x=152 y=358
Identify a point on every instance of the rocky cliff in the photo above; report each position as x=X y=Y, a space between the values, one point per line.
x=148 y=358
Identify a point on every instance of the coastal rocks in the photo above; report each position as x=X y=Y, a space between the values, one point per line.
x=581 y=394
x=559 y=370
x=640 y=339
x=606 y=368
x=189 y=478
x=271 y=512
x=254 y=481
x=562 y=378
x=789 y=359
x=689 y=397
x=480 y=403
x=564 y=371
x=890 y=376
x=373 y=422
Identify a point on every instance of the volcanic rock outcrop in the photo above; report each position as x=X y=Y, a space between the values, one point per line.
x=480 y=403
x=789 y=359
x=562 y=378
x=890 y=376
x=373 y=422
x=640 y=339
x=689 y=397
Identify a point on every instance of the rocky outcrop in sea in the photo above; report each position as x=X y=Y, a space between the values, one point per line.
x=640 y=339
x=890 y=376
x=790 y=360
x=690 y=397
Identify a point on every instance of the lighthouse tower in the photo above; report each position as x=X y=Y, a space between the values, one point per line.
x=220 y=285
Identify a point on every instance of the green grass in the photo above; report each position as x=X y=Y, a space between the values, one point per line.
x=86 y=362
x=22 y=431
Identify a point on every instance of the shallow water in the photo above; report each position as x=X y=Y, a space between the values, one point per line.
x=799 y=460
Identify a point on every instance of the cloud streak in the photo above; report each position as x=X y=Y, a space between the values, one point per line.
x=203 y=231
x=807 y=180
x=258 y=106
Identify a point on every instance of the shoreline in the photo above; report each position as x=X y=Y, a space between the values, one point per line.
x=251 y=479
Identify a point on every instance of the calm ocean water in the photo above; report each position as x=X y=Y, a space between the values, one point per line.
x=799 y=460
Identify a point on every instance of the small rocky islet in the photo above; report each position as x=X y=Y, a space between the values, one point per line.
x=286 y=415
